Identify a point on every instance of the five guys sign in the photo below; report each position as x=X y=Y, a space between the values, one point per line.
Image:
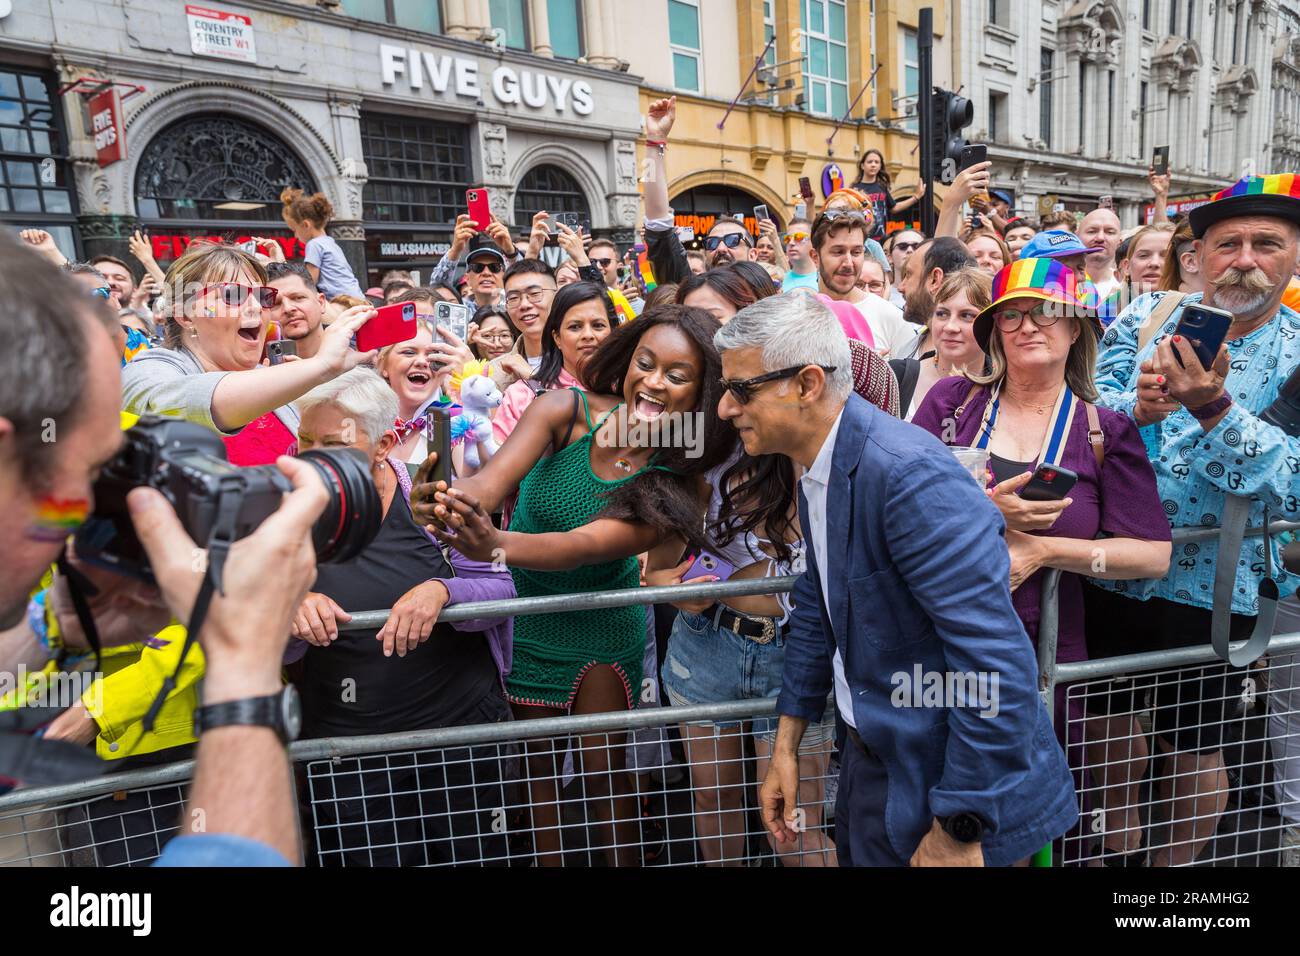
x=106 y=126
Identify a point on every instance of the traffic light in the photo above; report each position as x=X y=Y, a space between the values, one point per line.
x=950 y=114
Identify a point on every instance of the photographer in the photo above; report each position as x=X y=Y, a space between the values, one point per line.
x=1206 y=440
x=64 y=370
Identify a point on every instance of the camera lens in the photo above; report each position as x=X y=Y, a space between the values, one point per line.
x=351 y=519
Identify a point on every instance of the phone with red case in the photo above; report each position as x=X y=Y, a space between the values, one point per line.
x=476 y=201
x=391 y=324
x=708 y=565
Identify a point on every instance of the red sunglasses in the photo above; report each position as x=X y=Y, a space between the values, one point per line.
x=233 y=293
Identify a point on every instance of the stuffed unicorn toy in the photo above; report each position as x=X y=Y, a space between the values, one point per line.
x=479 y=398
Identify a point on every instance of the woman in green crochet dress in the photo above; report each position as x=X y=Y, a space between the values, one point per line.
x=603 y=476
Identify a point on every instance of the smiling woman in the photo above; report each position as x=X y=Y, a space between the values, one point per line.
x=216 y=304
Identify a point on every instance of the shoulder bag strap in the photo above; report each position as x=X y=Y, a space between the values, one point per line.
x=1096 y=437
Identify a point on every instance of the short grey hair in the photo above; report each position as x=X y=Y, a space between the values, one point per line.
x=361 y=395
x=792 y=329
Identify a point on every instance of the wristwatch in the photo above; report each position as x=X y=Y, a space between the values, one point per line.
x=962 y=827
x=281 y=712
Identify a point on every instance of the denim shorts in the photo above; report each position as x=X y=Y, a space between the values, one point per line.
x=707 y=664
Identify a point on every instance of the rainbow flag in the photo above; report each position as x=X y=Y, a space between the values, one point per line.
x=643 y=265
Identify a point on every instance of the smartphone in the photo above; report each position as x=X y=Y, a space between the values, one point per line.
x=805 y=188
x=707 y=564
x=440 y=441
x=801 y=210
x=1160 y=160
x=276 y=351
x=391 y=324
x=760 y=212
x=1049 y=483
x=1106 y=202
x=1205 y=328
x=452 y=317
x=685 y=235
x=571 y=219
x=971 y=154
x=476 y=201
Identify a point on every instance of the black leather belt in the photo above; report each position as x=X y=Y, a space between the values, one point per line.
x=760 y=630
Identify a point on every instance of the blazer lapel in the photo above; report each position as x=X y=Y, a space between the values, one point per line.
x=849 y=443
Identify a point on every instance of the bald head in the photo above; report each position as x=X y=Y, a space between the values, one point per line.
x=1100 y=228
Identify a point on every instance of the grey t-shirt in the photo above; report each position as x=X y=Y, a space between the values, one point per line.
x=336 y=276
x=172 y=383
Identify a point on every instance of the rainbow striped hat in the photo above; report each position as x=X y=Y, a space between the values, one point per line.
x=1277 y=195
x=1045 y=279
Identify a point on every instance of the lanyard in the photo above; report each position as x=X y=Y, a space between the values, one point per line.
x=1057 y=433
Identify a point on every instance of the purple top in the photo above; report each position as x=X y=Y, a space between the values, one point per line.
x=1121 y=501
x=475 y=581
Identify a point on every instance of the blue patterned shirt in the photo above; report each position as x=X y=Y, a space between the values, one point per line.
x=1194 y=469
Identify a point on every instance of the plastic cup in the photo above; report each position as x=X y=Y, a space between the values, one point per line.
x=974 y=460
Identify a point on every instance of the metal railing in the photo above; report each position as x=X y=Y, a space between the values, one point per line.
x=515 y=793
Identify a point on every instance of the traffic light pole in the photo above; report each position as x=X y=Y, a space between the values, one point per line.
x=925 y=111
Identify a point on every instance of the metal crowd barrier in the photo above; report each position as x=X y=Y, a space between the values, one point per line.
x=576 y=790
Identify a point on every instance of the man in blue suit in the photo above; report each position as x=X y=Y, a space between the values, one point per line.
x=904 y=611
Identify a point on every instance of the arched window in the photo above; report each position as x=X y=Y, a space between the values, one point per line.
x=216 y=167
x=550 y=188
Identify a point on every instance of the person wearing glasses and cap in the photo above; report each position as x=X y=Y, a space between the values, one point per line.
x=485 y=266
x=218 y=308
x=905 y=572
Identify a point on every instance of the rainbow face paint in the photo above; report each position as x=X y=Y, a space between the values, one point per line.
x=56 y=518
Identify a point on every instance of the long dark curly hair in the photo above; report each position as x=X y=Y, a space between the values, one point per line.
x=667 y=498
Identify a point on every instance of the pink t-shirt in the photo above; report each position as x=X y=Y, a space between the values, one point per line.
x=852 y=321
x=517 y=398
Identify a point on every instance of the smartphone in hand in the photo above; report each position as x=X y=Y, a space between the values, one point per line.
x=277 y=350
x=805 y=188
x=708 y=565
x=476 y=202
x=1160 y=160
x=1049 y=483
x=1205 y=328
x=452 y=317
x=391 y=324
x=760 y=212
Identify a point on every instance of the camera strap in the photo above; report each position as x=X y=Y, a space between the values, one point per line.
x=230 y=496
x=78 y=587
x=1236 y=513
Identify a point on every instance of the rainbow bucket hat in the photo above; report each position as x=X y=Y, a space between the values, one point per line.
x=1044 y=279
x=1277 y=195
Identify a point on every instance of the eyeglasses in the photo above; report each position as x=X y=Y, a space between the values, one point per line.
x=795 y=237
x=906 y=246
x=102 y=292
x=834 y=215
x=476 y=267
x=534 y=294
x=742 y=390
x=494 y=337
x=602 y=263
x=1009 y=320
x=235 y=293
x=731 y=239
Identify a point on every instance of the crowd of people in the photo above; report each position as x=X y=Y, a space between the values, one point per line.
x=826 y=368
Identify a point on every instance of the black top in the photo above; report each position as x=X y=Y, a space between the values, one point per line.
x=882 y=204
x=1003 y=468
x=350 y=687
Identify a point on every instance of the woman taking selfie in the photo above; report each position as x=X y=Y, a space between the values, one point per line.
x=873 y=182
x=581 y=317
x=601 y=497
x=216 y=302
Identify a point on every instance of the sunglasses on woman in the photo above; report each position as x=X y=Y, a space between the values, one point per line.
x=742 y=390
x=235 y=293
x=795 y=237
x=731 y=240
x=1009 y=320
x=493 y=267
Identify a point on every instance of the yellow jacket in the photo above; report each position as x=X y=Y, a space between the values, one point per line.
x=120 y=701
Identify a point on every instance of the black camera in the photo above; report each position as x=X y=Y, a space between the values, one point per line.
x=188 y=464
x=1285 y=410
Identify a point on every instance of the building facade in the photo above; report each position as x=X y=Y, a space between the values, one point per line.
x=1073 y=96
x=392 y=117
x=769 y=91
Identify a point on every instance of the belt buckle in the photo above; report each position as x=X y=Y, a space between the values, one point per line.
x=769 y=632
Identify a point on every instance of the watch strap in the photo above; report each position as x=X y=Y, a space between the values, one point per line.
x=1211 y=409
x=247 y=712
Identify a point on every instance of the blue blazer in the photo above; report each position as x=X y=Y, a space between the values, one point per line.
x=920 y=579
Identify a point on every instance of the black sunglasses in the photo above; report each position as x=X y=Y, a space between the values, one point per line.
x=602 y=263
x=742 y=390
x=493 y=267
x=732 y=239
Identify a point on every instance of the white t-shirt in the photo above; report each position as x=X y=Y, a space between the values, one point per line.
x=892 y=333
